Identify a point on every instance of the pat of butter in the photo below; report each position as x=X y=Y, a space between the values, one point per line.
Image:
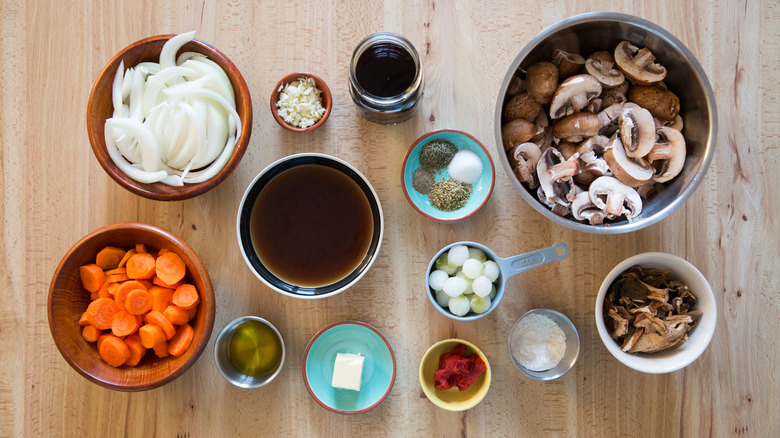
x=347 y=371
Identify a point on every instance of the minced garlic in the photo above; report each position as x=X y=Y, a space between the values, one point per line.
x=300 y=103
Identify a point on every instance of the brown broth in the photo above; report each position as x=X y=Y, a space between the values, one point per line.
x=311 y=225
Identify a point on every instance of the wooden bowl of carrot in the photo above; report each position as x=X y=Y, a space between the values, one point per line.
x=131 y=306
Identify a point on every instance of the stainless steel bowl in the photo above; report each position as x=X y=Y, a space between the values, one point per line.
x=222 y=358
x=588 y=33
x=569 y=356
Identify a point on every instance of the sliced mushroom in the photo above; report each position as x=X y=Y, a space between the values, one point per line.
x=593 y=147
x=677 y=123
x=632 y=172
x=574 y=94
x=637 y=64
x=651 y=342
x=601 y=65
x=541 y=80
x=584 y=210
x=662 y=103
x=554 y=173
x=619 y=322
x=668 y=156
x=517 y=131
x=523 y=159
x=542 y=127
x=648 y=190
x=522 y=106
x=594 y=106
x=615 y=198
x=634 y=334
x=577 y=126
x=568 y=150
x=569 y=64
x=611 y=96
x=609 y=117
x=558 y=207
x=637 y=131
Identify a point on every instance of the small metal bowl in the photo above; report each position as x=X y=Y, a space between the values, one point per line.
x=223 y=360
x=569 y=356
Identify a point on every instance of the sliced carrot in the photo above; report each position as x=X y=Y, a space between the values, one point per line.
x=114 y=351
x=138 y=302
x=101 y=312
x=127 y=256
x=162 y=251
x=83 y=320
x=94 y=295
x=176 y=315
x=103 y=291
x=121 y=292
x=170 y=268
x=102 y=338
x=117 y=278
x=109 y=257
x=92 y=277
x=181 y=341
x=147 y=284
x=140 y=248
x=141 y=266
x=158 y=282
x=155 y=317
x=90 y=333
x=137 y=349
x=191 y=313
x=151 y=335
x=161 y=349
x=112 y=287
x=125 y=323
x=116 y=271
x=161 y=297
x=186 y=296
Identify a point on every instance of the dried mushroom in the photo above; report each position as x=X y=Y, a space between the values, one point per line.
x=646 y=311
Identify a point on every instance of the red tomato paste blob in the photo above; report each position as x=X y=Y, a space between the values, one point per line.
x=458 y=370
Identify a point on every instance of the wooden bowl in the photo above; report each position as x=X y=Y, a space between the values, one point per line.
x=100 y=108
x=68 y=300
x=327 y=101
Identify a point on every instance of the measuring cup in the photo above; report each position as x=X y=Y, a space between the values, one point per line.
x=507 y=267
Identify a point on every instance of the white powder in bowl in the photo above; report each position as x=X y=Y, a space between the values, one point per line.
x=465 y=167
x=538 y=343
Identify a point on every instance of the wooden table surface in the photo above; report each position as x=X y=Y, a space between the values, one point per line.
x=54 y=192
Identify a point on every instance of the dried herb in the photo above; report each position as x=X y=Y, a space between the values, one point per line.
x=437 y=154
x=422 y=180
x=449 y=195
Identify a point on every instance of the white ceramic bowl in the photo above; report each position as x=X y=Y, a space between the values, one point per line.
x=700 y=335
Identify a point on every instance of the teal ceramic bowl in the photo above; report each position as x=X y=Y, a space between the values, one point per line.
x=378 y=367
x=481 y=190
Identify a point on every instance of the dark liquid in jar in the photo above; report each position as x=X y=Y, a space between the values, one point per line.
x=385 y=70
x=311 y=225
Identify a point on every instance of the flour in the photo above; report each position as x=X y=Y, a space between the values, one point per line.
x=539 y=343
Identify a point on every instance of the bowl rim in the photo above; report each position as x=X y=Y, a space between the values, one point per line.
x=189 y=190
x=525 y=371
x=709 y=144
x=406 y=189
x=324 y=89
x=315 y=155
x=208 y=289
x=233 y=325
x=432 y=395
x=322 y=332
x=647 y=363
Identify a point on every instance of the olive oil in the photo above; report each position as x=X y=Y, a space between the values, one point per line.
x=254 y=349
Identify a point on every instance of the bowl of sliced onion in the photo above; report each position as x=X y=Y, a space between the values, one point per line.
x=169 y=117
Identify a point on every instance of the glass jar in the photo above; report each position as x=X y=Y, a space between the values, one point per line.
x=386 y=78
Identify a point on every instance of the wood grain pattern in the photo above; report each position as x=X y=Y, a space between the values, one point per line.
x=54 y=192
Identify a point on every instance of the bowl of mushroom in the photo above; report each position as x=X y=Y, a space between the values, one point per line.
x=606 y=123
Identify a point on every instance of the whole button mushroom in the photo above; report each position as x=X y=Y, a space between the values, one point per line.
x=637 y=64
x=517 y=131
x=541 y=80
x=614 y=197
x=577 y=126
x=569 y=64
x=522 y=106
x=661 y=102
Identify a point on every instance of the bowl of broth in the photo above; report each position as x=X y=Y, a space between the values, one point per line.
x=310 y=225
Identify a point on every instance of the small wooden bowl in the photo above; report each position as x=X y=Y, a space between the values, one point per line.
x=68 y=300
x=100 y=108
x=327 y=101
